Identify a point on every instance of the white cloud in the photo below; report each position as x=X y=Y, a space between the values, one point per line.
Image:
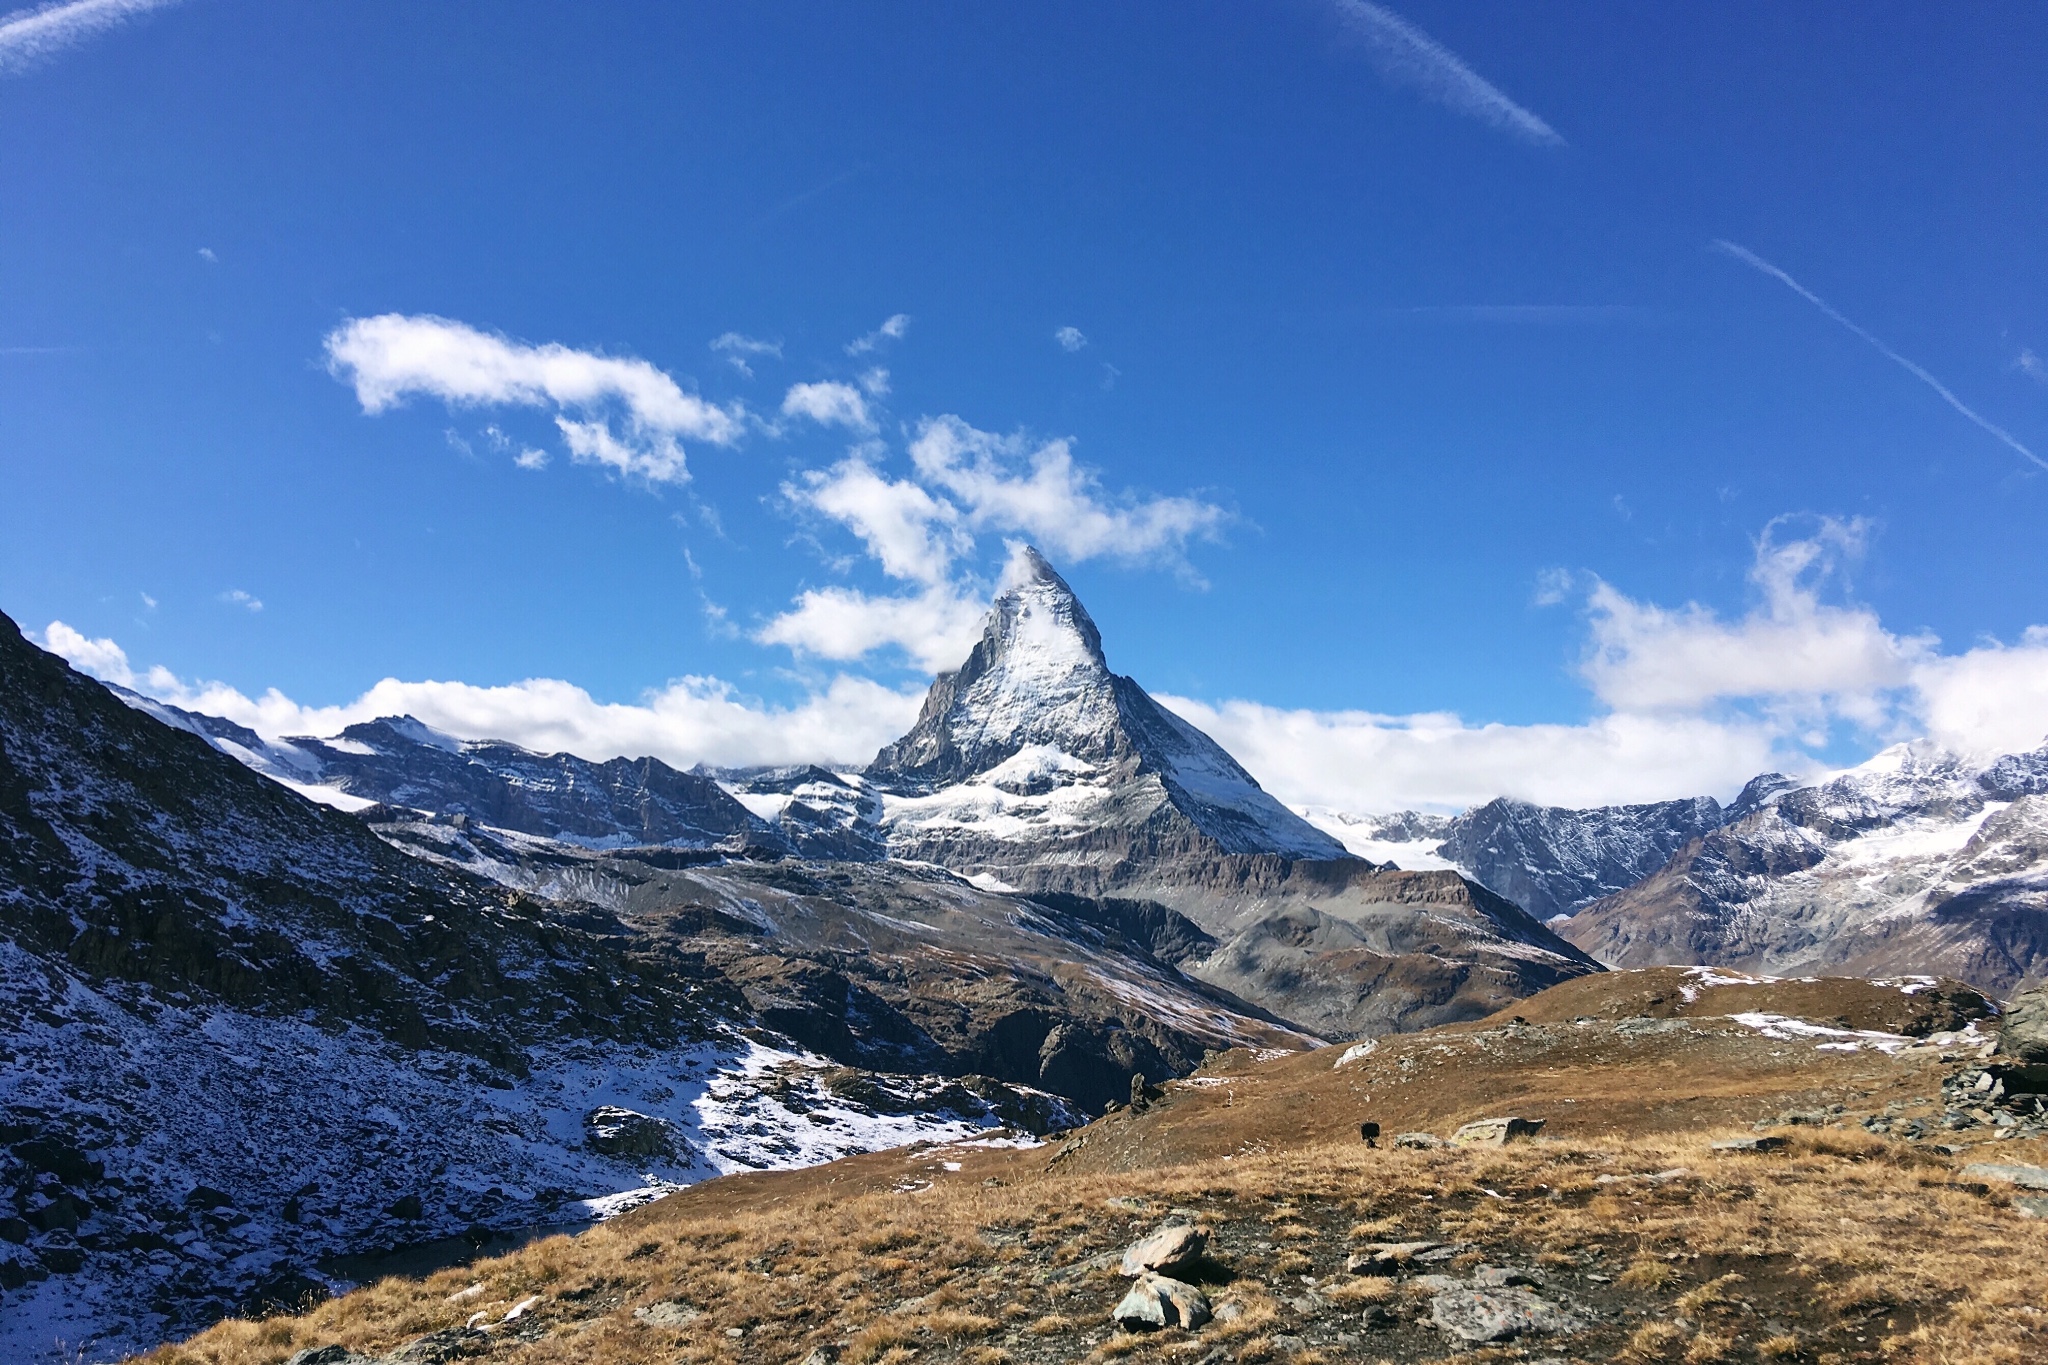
x=1407 y=56
x=1362 y=762
x=1006 y=484
x=892 y=329
x=2031 y=365
x=1697 y=703
x=692 y=720
x=1791 y=648
x=530 y=458
x=238 y=598
x=391 y=357
x=1070 y=339
x=29 y=36
x=876 y=382
x=1993 y=699
x=912 y=534
x=1764 y=267
x=206 y=254
x=148 y=601
x=828 y=404
x=935 y=628
x=737 y=348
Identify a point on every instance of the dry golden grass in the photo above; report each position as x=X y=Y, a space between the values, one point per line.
x=1848 y=1246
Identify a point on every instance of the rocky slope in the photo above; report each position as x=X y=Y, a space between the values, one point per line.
x=243 y=1034
x=1916 y=861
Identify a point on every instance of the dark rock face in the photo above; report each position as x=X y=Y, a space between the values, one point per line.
x=2023 y=1032
x=1552 y=861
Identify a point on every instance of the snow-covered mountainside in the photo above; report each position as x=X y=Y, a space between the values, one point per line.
x=1034 y=754
x=1550 y=860
x=245 y=1034
x=1033 y=766
x=397 y=761
x=1918 y=860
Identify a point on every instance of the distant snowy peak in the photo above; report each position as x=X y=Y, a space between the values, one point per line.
x=1033 y=742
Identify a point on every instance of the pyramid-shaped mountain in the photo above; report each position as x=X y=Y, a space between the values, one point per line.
x=1035 y=765
x=1035 y=768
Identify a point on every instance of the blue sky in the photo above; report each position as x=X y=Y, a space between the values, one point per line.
x=1420 y=439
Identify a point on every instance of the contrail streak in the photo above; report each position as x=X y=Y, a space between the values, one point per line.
x=1406 y=54
x=1758 y=263
x=28 y=36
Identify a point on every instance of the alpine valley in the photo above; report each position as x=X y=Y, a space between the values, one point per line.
x=282 y=1015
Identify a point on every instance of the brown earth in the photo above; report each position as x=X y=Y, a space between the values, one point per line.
x=1844 y=1246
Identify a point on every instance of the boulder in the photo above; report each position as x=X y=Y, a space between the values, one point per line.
x=612 y=1131
x=2026 y=1177
x=1482 y=1315
x=1156 y=1301
x=329 y=1355
x=669 y=1313
x=2023 y=1032
x=1172 y=1248
x=1747 y=1144
x=1496 y=1132
x=1387 y=1258
x=1423 y=1141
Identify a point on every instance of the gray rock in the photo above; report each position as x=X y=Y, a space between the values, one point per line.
x=329 y=1355
x=1387 y=1258
x=1504 y=1277
x=1156 y=1301
x=2023 y=1032
x=1439 y=1284
x=1173 y=1247
x=669 y=1313
x=1496 y=1132
x=1481 y=1315
x=2026 y=1177
x=1748 y=1144
x=613 y=1131
x=1424 y=1141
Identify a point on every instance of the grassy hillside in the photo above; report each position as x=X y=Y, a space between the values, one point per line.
x=1843 y=1245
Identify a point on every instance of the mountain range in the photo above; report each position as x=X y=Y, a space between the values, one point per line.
x=275 y=1007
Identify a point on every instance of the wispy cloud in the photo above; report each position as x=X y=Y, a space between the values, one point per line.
x=391 y=357
x=29 y=36
x=1762 y=266
x=1405 y=55
x=738 y=347
x=891 y=330
x=2031 y=365
x=236 y=597
x=1070 y=338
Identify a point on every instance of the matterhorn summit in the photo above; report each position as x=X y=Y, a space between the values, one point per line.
x=1034 y=765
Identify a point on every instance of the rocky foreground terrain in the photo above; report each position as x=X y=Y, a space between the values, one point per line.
x=1682 y=1166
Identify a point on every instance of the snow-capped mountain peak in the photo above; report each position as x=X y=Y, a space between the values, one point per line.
x=1036 y=678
